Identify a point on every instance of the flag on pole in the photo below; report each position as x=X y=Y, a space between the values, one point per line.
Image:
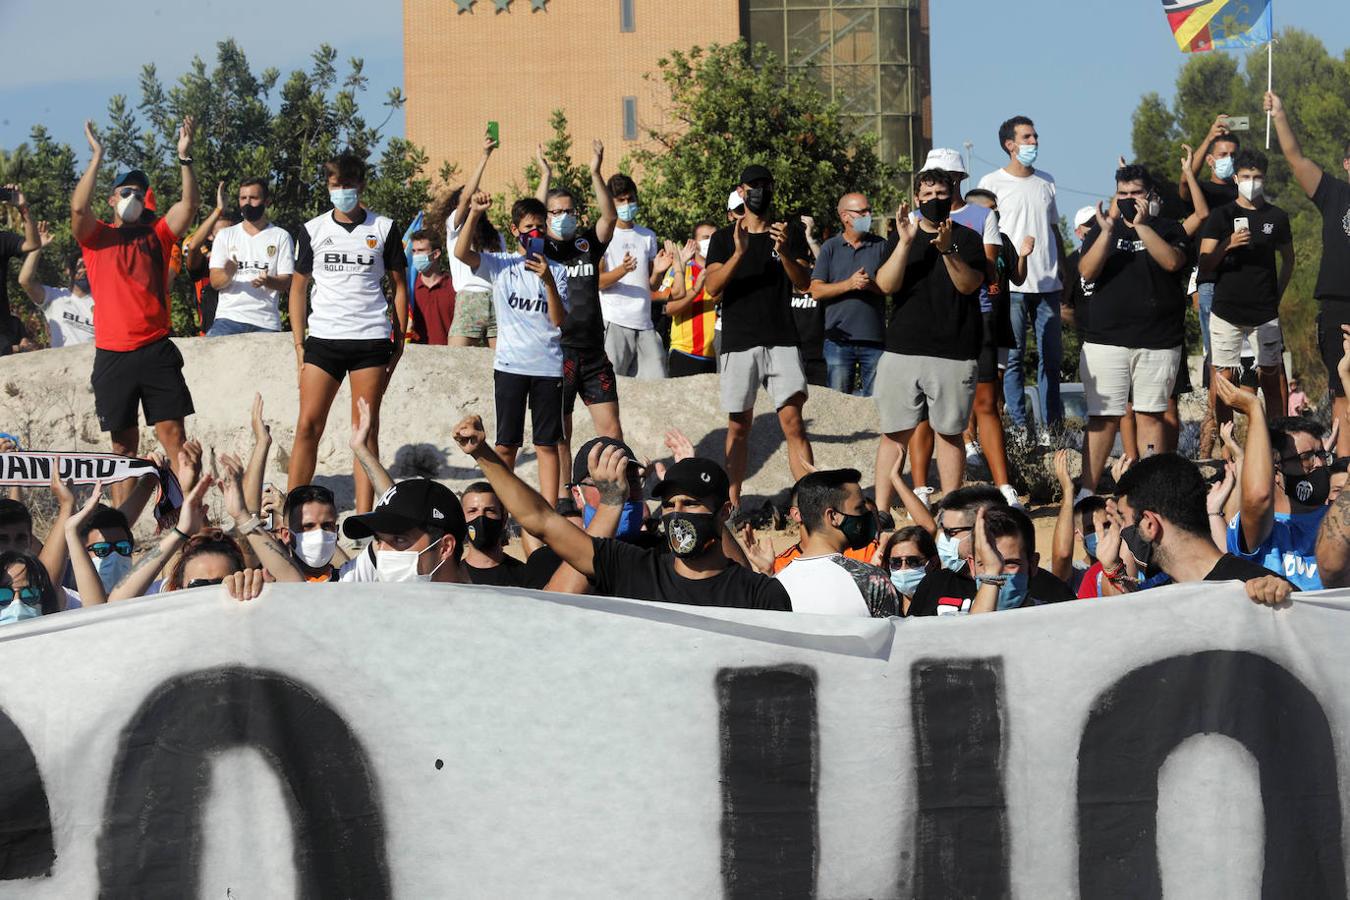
x=417 y=224
x=1203 y=25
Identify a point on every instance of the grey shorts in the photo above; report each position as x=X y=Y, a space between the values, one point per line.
x=778 y=370
x=635 y=353
x=909 y=389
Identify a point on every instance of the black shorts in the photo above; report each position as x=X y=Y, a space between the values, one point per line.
x=338 y=357
x=544 y=396
x=987 y=362
x=590 y=374
x=1333 y=314
x=816 y=371
x=681 y=364
x=1182 y=387
x=151 y=376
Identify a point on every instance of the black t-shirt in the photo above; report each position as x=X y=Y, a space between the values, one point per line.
x=1332 y=198
x=1044 y=587
x=1073 y=291
x=942 y=592
x=1246 y=289
x=534 y=573
x=1216 y=195
x=1234 y=568
x=930 y=317
x=584 y=328
x=809 y=317
x=622 y=570
x=1135 y=302
x=11 y=247
x=757 y=300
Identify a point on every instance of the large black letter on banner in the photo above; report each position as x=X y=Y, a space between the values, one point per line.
x=1136 y=723
x=157 y=794
x=26 y=846
x=960 y=833
x=768 y=738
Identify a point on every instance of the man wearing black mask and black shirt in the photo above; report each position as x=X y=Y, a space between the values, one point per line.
x=753 y=266
x=485 y=558
x=1136 y=315
x=695 y=508
x=587 y=371
x=1331 y=196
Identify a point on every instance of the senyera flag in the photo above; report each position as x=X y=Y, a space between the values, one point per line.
x=1201 y=25
x=417 y=224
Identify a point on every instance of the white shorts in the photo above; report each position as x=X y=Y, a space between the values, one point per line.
x=778 y=370
x=1226 y=340
x=1114 y=376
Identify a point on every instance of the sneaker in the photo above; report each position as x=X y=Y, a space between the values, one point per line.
x=1010 y=494
x=974 y=455
x=923 y=493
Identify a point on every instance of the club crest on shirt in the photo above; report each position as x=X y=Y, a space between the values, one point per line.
x=371 y=241
x=582 y=244
x=271 y=249
x=1268 y=228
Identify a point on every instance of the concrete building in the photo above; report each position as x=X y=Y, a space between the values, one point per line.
x=468 y=62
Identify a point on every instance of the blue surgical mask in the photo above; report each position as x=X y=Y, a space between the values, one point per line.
x=421 y=261
x=1013 y=592
x=862 y=224
x=1223 y=168
x=630 y=520
x=627 y=211
x=17 y=611
x=564 y=226
x=1090 y=544
x=949 y=554
x=906 y=581
x=111 y=569
x=1027 y=153
x=343 y=199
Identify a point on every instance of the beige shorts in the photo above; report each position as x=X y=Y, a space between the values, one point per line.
x=1226 y=340
x=1114 y=376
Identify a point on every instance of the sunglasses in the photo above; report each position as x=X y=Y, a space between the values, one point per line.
x=1308 y=457
x=128 y=192
x=896 y=563
x=104 y=549
x=29 y=595
x=204 y=582
x=956 y=531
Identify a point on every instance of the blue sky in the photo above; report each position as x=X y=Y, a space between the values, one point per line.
x=1077 y=68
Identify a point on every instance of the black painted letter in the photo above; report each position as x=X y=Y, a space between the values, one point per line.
x=769 y=740
x=26 y=846
x=1136 y=723
x=156 y=797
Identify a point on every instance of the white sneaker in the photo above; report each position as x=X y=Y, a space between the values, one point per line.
x=974 y=455
x=1010 y=494
x=923 y=493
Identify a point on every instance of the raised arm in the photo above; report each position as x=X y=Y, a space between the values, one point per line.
x=719 y=273
x=1188 y=188
x=1093 y=259
x=910 y=500
x=257 y=461
x=87 y=583
x=28 y=279
x=195 y=253
x=891 y=276
x=1308 y=173
x=609 y=214
x=798 y=274
x=545 y=175
x=471 y=188
x=360 y=444
x=529 y=508
x=464 y=252
x=1258 y=465
x=191 y=519
x=82 y=218
x=180 y=215
x=1333 y=538
x=988 y=565
x=1061 y=546
x=53 y=553
x=274 y=557
x=1200 y=206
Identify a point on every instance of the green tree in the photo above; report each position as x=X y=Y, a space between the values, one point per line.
x=733 y=105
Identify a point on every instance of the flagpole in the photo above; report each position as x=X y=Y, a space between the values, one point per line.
x=1270 y=82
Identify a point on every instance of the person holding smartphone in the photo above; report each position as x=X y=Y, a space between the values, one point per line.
x=529 y=298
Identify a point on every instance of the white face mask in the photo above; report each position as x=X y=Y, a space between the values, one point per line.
x=129 y=208
x=1252 y=189
x=401 y=565
x=315 y=548
x=703 y=246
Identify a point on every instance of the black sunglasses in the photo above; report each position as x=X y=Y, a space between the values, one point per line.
x=204 y=582
x=896 y=563
x=104 y=549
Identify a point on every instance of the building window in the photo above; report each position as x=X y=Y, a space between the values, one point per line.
x=627 y=16
x=630 y=126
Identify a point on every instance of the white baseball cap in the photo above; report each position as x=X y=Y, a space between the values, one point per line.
x=946 y=159
x=734 y=201
x=1084 y=216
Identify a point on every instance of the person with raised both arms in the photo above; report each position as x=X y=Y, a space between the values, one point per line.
x=695 y=506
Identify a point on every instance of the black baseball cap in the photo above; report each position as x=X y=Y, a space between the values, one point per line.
x=134 y=176
x=756 y=172
x=580 y=468
x=409 y=504
x=695 y=477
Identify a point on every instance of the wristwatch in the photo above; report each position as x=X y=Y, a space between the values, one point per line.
x=949 y=251
x=252 y=524
x=185 y=160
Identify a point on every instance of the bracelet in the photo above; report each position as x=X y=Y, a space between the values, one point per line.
x=181 y=533
x=250 y=525
x=185 y=160
x=999 y=580
x=949 y=251
x=1218 y=516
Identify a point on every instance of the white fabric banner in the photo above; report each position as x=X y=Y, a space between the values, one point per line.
x=429 y=741
x=34 y=468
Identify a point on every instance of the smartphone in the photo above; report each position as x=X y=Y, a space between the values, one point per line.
x=1238 y=123
x=7 y=195
x=494 y=132
x=534 y=246
x=269 y=521
x=1240 y=224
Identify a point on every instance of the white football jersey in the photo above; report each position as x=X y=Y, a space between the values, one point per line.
x=347 y=263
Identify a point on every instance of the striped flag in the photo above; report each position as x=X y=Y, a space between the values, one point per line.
x=1203 y=25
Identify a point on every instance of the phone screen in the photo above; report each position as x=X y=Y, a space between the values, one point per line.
x=534 y=247
x=494 y=131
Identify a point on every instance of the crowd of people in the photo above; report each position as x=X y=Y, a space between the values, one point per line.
x=926 y=311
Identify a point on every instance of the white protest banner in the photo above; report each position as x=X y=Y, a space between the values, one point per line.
x=435 y=741
x=34 y=468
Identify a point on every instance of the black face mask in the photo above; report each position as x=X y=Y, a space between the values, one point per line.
x=1129 y=208
x=82 y=284
x=1142 y=549
x=688 y=533
x=858 y=530
x=936 y=210
x=486 y=533
x=1309 y=489
x=252 y=213
x=758 y=199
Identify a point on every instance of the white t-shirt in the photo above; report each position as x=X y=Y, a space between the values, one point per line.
x=629 y=302
x=1027 y=206
x=461 y=276
x=528 y=343
x=347 y=264
x=838 y=586
x=70 y=319
x=269 y=252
